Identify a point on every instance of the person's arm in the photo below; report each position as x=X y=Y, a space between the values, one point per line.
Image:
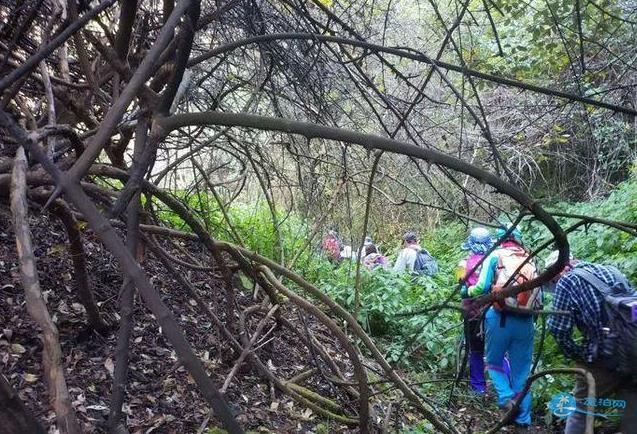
x=561 y=326
x=399 y=266
x=410 y=259
x=487 y=274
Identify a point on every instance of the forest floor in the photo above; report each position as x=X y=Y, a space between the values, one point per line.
x=161 y=396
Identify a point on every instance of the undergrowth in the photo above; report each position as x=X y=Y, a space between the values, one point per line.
x=425 y=345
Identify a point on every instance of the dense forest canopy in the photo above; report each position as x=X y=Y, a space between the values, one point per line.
x=253 y=127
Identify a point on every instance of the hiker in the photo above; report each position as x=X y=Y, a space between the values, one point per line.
x=602 y=305
x=372 y=258
x=349 y=253
x=477 y=243
x=368 y=242
x=413 y=258
x=507 y=332
x=332 y=246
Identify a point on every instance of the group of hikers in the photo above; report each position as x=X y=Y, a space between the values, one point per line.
x=412 y=257
x=595 y=299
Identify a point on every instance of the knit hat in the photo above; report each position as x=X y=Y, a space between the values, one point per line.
x=410 y=237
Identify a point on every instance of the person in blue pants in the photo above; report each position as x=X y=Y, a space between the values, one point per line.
x=506 y=333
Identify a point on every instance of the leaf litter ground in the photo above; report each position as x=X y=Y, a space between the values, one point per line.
x=161 y=396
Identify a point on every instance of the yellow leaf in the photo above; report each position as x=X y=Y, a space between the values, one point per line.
x=109 y=365
x=18 y=349
x=56 y=249
x=30 y=378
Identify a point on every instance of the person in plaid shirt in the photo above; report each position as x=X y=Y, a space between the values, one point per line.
x=577 y=296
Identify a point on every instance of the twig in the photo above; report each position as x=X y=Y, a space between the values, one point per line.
x=359 y=257
x=247 y=348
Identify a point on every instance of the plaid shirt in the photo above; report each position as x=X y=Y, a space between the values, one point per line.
x=576 y=295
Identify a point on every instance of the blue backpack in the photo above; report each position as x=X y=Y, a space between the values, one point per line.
x=618 y=347
x=425 y=264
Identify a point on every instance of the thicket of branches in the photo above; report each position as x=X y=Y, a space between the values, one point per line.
x=428 y=107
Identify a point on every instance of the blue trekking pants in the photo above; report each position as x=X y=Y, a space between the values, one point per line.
x=514 y=337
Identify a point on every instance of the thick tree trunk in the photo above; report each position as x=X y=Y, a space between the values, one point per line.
x=52 y=353
x=14 y=417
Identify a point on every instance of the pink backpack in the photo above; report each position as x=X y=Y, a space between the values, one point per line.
x=472 y=261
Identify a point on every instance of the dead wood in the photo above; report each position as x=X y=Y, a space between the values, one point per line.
x=249 y=347
x=78 y=257
x=52 y=354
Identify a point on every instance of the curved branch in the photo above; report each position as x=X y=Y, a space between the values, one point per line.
x=131 y=268
x=413 y=55
x=372 y=142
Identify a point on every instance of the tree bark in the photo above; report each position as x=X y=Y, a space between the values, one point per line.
x=129 y=266
x=52 y=353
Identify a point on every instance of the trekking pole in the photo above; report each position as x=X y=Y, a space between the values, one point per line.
x=536 y=312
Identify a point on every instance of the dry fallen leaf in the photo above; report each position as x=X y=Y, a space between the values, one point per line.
x=63 y=307
x=77 y=307
x=109 y=365
x=271 y=366
x=30 y=378
x=18 y=349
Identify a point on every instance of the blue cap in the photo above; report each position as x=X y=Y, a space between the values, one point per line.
x=514 y=235
x=478 y=241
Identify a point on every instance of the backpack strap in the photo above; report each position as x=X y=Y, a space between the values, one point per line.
x=595 y=281
x=598 y=285
x=503 y=319
x=619 y=277
x=602 y=287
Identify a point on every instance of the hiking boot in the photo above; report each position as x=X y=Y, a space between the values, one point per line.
x=504 y=410
x=519 y=428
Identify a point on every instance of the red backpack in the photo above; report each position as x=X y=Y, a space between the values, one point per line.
x=513 y=261
x=332 y=248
